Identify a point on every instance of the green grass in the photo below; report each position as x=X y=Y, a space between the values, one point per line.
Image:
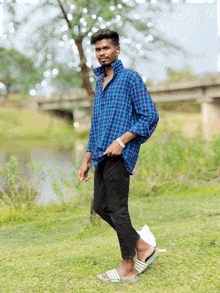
x=24 y=129
x=61 y=251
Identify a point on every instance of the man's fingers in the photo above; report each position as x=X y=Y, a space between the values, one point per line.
x=83 y=176
x=80 y=175
x=85 y=179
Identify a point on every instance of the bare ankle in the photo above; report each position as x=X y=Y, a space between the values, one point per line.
x=141 y=245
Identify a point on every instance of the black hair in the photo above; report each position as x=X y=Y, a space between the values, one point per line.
x=105 y=34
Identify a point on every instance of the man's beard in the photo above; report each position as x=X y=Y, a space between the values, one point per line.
x=107 y=65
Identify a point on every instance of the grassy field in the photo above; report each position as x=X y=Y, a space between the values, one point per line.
x=62 y=251
x=175 y=190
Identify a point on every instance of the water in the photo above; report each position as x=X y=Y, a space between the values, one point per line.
x=53 y=161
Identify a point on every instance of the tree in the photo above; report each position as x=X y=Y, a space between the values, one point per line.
x=69 y=23
x=17 y=72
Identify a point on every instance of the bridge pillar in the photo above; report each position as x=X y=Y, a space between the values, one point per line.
x=211 y=118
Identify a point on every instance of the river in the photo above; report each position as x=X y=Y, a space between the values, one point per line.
x=53 y=162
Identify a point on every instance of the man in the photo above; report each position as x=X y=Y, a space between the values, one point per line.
x=124 y=116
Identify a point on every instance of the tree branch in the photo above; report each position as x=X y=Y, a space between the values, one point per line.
x=78 y=41
x=65 y=15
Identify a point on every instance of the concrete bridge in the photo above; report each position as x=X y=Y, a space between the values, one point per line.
x=205 y=91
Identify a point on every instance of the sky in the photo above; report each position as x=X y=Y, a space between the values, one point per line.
x=195 y=28
x=218 y=21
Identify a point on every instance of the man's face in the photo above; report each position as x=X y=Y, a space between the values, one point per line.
x=106 y=52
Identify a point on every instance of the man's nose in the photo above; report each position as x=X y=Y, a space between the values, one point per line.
x=102 y=52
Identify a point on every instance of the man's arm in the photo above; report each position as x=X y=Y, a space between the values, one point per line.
x=115 y=149
x=145 y=108
x=84 y=169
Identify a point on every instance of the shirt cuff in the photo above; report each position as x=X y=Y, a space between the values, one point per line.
x=139 y=138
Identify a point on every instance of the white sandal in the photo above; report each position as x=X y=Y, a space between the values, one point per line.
x=140 y=266
x=114 y=277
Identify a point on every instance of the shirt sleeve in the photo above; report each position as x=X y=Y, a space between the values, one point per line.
x=147 y=115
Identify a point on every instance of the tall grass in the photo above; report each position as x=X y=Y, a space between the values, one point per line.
x=173 y=158
x=18 y=198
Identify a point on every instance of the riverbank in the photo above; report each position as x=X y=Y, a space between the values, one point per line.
x=22 y=129
x=61 y=251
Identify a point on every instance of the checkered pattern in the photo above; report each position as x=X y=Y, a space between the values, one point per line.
x=124 y=105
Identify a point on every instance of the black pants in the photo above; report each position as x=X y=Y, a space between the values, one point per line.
x=111 y=187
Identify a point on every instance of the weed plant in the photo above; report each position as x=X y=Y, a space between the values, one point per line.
x=17 y=197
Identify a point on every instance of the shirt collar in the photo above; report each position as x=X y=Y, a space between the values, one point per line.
x=117 y=66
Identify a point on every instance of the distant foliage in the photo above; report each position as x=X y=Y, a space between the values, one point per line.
x=17 y=72
x=59 y=43
x=190 y=106
x=178 y=76
x=175 y=76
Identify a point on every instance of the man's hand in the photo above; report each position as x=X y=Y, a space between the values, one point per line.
x=115 y=149
x=83 y=172
x=84 y=169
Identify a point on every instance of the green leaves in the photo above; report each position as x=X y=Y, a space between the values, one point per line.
x=17 y=72
x=69 y=21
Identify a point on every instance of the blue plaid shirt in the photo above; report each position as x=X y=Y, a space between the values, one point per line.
x=124 y=105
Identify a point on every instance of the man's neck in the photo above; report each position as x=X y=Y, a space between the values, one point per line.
x=109 y=70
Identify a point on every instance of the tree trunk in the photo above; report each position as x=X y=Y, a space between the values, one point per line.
x=85 y=77
x=78 y=42
x=84 y=71
x=91 y=93
x=8 y=87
